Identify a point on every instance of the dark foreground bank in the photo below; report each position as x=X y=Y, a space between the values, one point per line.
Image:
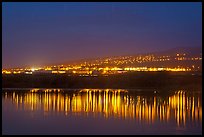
x=129 y=80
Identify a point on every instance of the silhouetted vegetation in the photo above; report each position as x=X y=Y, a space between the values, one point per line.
x=133 y=80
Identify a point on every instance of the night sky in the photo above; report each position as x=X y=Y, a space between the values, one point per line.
x=36 y=34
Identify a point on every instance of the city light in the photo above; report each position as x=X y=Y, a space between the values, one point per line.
x=117 y=65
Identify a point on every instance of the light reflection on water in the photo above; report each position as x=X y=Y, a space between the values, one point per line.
x=180 y=107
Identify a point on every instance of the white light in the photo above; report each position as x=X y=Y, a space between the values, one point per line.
x=32 y=69
x=28 y=72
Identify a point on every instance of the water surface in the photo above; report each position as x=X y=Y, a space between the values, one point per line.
x=101 y=111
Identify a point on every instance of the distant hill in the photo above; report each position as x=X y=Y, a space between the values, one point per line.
x=192 y=51
x=189 y=52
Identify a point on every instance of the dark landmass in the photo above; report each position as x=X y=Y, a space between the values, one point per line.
x=133 y=80
x=195 y=51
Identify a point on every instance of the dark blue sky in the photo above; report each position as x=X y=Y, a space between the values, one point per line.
x=35 y=34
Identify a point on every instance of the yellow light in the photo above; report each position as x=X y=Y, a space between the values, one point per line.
x=28 y=72
x=54 y=71
x=48 y=68
x=106 y=68
x=8 y=72
x=61 y=71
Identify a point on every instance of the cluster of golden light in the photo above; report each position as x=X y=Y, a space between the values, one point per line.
x=126 y=60
x=110 y=65
x=183 y=57
x=6 y=72
x=102 y=90
x=196 y=58
x=106 y=70
x=45 y=90
x=58 y=71
x=114 y=103
x=139 y=59
x=48 y=68
x=157 y=69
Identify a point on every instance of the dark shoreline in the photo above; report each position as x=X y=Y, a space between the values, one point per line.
x=135 y=80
